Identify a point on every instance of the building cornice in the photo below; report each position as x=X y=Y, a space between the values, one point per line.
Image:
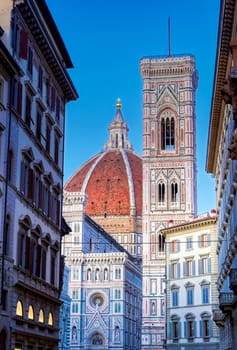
x=223 y=63
x=190 y=225
x=50 y=43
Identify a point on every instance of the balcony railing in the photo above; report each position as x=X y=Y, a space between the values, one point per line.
x=218 y=318
x=226 y=301
x=233 y=280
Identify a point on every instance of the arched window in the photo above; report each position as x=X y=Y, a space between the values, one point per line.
x=74 y=333
x=168 y=133
x=24 y=244
x=97 y=339
x=175 y=327
x=174 y=192
x=31 y=314
x=190 y=327
x=41 y=316
x=205 y=325
x=50 y=319
x=97 y=274
x=161 y=193
x=88 y=277
x=106 y=274
x=19 y=308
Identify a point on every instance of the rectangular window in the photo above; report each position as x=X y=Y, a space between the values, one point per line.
x=117 y=307
x=38 y=259
x=189 y=268
x=190 y=326
x=40 y=79
x=175 y=297
x=30 y=61
x=23 y=44
x=53 y=99
x=189 y=243
x=75 y=308
x=57 y=108
x=77 y=227
x=189 y=296
x=205 y=294
x=56 y=149
x=175 y=246
x=17 y=96
x=47 y=92
x=52 y=269
x=175 y=329
x=117 y=294
x=16 y=39
x=9 y=165
x=43 y=265
x=204 y=240
x=175 y=270
x=25 y=166
x=75 y=294
x=206 y=328
x=204 y=265
x=75 y=274
x=28 y=118
x=48 y=137
x=38 y=125
x=117 y=273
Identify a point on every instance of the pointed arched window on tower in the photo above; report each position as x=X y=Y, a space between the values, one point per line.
x=161 y=243
x=168 y=133
x=161 y=193
x=116 y=141
x=174 y=192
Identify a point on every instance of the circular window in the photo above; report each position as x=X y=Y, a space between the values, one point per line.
x=96 y=300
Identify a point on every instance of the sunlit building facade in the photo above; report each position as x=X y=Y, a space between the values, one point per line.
x=169 y=174
x=105 y=284
x=222 y=163
x=191 y=292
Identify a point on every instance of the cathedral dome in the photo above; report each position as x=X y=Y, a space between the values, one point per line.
x=112 y=179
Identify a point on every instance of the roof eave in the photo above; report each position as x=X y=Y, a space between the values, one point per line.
x=223 y=59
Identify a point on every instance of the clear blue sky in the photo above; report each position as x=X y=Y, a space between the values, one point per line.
x=106 y=40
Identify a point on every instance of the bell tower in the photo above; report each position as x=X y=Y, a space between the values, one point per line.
x=169 y=174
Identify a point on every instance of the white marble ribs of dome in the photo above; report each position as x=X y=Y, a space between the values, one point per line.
x=130 y=183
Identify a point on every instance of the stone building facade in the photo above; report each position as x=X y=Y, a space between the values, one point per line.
x=222 y=162
x=191 y=292
x=169 y=174
x=105 y=284
x=31 y=143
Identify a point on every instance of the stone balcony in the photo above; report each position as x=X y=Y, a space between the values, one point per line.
x=218 y=318
x=233 y=280
x=227 y=301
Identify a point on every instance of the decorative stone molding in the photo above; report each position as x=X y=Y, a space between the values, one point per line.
x=229 y=89
x=233 y=146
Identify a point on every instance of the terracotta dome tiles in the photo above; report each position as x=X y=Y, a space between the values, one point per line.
x=108 y=185
x=74 y=184
x=107 y=188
